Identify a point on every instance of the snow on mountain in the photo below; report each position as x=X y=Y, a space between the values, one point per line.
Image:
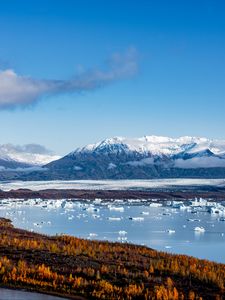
x=184 y=152
x=136 y=158
x=31 y=154
x=156 y=145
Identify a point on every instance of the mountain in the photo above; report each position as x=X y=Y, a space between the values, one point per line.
x=19 y=159
x=140 y=158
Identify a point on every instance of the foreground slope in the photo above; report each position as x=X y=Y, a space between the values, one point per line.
x=75 y=267
x=141 y=158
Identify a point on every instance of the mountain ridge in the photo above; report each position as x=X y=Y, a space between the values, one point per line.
x=156 y=145
x=139 y=158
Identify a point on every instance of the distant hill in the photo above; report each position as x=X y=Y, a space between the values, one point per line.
x=16 y=160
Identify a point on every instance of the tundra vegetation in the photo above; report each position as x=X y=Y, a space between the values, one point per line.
x=84 y=269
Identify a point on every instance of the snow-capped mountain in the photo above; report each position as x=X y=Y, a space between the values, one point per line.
x=145 y=157
x=155 y=145
x=26 y=156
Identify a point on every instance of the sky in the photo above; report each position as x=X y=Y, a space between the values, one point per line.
x=73 y=72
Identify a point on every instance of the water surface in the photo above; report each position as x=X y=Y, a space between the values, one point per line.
x=7 y=294
x=154 y=229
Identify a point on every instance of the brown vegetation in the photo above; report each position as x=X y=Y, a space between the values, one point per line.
x=67 y=265
x=164 y=194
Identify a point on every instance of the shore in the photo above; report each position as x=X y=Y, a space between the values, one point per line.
x=215 y=193
x=22 y=294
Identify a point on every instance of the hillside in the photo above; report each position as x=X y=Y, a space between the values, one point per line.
x=139 y=158
x=74 y=267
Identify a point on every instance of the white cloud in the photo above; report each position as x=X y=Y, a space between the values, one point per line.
x=20 y=169
x=17 y=90
x=77 y=168
x=200 y=162
x=142 y=162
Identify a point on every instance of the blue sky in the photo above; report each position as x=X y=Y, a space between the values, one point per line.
x=178 y=87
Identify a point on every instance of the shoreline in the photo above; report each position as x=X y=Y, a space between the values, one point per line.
x=47 y=293
x=163 y=194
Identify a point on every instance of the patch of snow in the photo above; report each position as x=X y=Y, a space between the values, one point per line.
x=111 y=166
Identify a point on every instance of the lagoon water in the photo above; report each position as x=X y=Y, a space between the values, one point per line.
x=7 y=294
x=154 y=226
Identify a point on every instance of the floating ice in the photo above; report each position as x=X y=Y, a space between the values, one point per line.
x=93 y=234
x=139 y=219
x=155 y=204
x=114 y=219
x=116 y=208
x=170 y=231
x=168 y=247
x=122 y=239
x=199 y=229
x=122 y=232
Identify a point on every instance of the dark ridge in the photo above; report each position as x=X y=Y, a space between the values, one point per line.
x=181 y=193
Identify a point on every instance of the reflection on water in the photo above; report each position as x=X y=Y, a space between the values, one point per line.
x=161 y=228
x=6 y=294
